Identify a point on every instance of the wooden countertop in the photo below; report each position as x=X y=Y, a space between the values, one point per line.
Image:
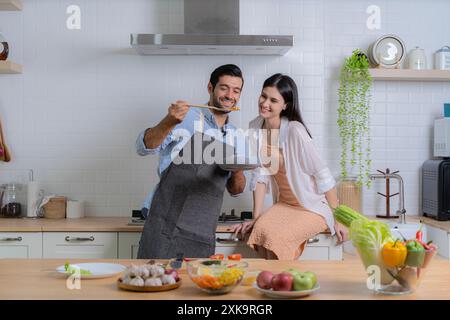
x=35 y=279
x=443 y=225
x=120 y=224
x=104 y=224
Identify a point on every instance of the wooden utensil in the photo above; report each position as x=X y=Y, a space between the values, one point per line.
x=5 y=155
x=235 y=108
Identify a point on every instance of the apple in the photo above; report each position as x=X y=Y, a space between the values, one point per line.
x=282 y=282
x=313 y=276
x=264 y=279
x=303 y=281
x=293 y=271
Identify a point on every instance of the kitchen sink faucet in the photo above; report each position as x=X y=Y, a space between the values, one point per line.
x=401 y=200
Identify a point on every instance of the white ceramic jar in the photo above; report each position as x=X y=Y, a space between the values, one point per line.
x=442 y=58
x=417 y=59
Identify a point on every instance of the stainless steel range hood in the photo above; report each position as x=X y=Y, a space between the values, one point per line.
x=211 y=28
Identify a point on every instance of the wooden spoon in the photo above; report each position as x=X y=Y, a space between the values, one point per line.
x=5 y=156
x=235 y=108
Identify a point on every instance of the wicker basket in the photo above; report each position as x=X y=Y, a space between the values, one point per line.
x=55 y=208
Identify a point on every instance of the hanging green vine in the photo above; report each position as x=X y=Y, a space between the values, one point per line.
x=353 y=115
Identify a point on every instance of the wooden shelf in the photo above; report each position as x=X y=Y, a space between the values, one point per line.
x=8 y=67
x=410 y=75
x=10 y=5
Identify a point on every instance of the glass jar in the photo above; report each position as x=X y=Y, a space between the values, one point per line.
x=10 y=204
x=349 y=193
x=4 y=48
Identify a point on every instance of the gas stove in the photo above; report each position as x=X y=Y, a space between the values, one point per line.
x=233 y=218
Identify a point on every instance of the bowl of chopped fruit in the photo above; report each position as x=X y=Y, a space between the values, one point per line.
x=216 y=276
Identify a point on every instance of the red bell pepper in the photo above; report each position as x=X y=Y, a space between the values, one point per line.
x=235 y=256
x=419 y=234
x=218 y=256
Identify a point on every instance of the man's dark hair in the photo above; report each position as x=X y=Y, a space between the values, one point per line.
x=225 y=70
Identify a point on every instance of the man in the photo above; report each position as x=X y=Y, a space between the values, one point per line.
x=185 y=207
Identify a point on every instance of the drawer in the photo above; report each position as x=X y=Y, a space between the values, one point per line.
x=322 y=247
x=82 y=245
x=18 y=245
x=321 y=240
x=226 y=244
x=315 y=253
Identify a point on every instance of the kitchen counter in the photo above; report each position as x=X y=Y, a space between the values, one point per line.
x=104 y=224
x=36 y=279
x=443 y=225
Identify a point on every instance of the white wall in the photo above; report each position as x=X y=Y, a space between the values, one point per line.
x=74 y=114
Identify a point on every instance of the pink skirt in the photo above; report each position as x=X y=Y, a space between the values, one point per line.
x=283 y=229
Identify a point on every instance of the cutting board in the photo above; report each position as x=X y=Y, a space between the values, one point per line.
x=4 y=152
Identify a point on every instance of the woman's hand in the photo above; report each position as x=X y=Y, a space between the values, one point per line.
x=341 y=232
x=243 y=227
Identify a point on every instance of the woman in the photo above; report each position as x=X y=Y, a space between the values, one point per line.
x=301 y=185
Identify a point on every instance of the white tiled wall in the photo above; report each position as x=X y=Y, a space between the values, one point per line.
x=402 y=112
x=74 y=114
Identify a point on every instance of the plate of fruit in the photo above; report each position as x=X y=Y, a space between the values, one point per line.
x=150 y=277
x=288 y=284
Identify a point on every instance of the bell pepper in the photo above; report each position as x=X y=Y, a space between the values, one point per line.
x=235 y=256
x=416 y=254
x=419 y=234
x=394 y=254
x=218 y=256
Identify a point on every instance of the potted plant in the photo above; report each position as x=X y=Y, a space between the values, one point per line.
x=353 y=120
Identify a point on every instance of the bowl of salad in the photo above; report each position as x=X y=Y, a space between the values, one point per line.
x=216 y=276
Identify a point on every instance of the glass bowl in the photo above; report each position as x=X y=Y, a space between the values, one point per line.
x=406 y=278
x=216 y=276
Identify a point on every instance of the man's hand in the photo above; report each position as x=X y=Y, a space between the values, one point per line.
x=341 y=232
x=177 y=111
x=236 y=183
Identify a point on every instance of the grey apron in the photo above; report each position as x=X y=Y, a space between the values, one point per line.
x=184 y=212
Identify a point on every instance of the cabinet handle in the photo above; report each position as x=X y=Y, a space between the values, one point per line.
x=12 y=239
x=222 y=240
x=69 y=239
x=313 y=240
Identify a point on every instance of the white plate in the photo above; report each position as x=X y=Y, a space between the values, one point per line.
x=98 y=270
x=286 y=294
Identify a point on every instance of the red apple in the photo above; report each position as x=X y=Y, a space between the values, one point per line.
x=264 y=279
x=282 y=282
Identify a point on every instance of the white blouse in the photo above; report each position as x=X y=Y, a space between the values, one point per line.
x=308 y=176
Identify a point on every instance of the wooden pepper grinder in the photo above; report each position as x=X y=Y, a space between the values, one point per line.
x=387 y=196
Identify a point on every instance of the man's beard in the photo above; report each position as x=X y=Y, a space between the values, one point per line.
x=216 y=103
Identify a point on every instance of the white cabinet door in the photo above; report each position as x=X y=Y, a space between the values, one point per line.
x=129 y=244
x=441 y=238
x=18 y=245
x=80 y=245
x=322 y=247
x=226 y=245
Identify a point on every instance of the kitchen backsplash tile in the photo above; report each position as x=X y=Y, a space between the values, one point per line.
x=74 y=114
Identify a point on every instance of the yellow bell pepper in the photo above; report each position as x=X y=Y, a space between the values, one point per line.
x=394 y=254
